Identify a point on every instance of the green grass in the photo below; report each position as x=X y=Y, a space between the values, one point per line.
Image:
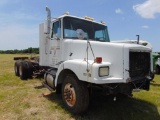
x=29 y=100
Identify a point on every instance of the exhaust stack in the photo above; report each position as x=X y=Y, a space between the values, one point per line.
x=48 y=13
x=47 y=22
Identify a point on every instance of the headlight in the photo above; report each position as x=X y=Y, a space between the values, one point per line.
x=103 y=71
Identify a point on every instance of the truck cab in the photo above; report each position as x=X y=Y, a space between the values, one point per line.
x=78 y=55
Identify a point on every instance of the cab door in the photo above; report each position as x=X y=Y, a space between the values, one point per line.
x=55 y=51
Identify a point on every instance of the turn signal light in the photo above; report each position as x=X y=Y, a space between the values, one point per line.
x=98 y=59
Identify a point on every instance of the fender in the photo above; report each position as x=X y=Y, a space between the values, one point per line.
x=78 y=66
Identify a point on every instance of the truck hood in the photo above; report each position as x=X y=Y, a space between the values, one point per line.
x=141 y=42
x=116 y=54
x=108 y=50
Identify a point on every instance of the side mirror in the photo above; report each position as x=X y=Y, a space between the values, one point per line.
x=46 y=26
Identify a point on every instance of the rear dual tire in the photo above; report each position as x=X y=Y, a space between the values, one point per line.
x=23 y=69
x=23 y=72
x=16 y=68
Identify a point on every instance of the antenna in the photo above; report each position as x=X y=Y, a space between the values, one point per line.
x=137 y=39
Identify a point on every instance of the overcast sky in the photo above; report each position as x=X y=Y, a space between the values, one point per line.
x=20 y=19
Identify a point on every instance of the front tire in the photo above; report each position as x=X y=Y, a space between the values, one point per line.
x=75 y=94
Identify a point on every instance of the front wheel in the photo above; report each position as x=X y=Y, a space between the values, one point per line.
x=75 y=95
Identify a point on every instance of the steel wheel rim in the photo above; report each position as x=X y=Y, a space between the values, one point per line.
x=69 y=95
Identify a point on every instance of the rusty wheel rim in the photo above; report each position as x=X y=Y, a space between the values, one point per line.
x=69 y=95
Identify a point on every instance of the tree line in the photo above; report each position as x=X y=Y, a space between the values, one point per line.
x=23 y=51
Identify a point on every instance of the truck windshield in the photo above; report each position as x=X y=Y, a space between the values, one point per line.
x=74 y=27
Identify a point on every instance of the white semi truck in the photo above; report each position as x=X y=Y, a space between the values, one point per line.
x=76 y=55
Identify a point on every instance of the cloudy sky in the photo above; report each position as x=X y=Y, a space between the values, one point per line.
x=19 y=19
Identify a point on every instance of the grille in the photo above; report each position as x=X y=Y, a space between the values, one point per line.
x=139 y=63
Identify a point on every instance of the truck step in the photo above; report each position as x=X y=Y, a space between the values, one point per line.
x=45 y=85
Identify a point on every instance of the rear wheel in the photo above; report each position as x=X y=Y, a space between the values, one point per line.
x=30 y=69
x=16 y=68
x=23 y=70
x=75 y=94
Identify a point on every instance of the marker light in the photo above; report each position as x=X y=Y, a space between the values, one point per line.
x=103 y=23
x=88 y=18
x=91 y=19
x=98 y=59
x=85 y=17
x=66 y=13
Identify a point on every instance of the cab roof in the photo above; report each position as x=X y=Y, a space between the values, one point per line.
x=85 y=18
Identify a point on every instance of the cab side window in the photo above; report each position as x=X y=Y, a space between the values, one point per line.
x=56 y=30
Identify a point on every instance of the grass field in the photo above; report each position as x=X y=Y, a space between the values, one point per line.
x=29 y=100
